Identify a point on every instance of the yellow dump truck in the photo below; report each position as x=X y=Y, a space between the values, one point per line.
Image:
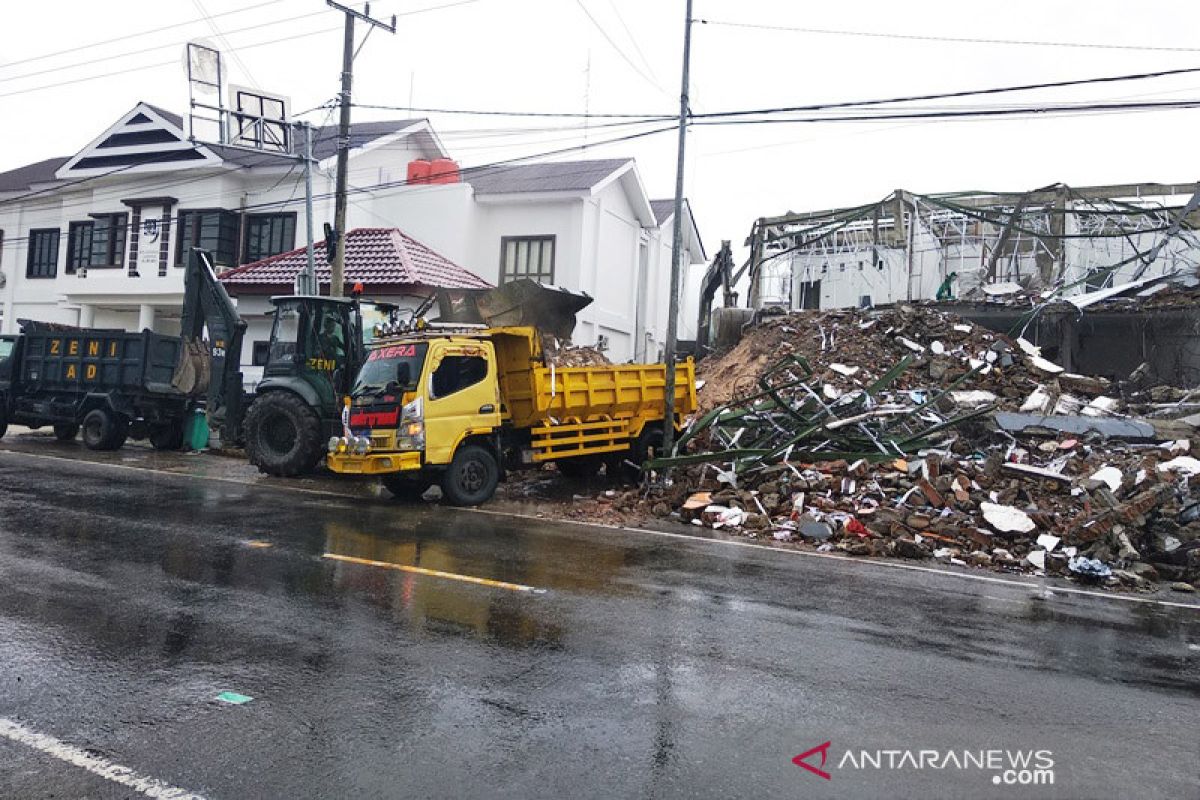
x=460 y=405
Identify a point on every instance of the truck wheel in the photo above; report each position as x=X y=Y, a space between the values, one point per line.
x=472 y=477
x=283 y=435
x=406 y=488
x=66 y=431
x=104 y=430
x=168 y=436
x=3 y=423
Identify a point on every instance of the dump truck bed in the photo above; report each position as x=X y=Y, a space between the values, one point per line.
x=81 y=360
x=536 y=393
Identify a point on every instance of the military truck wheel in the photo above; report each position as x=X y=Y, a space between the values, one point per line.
x=472 y=477
x=66 y=432
x=403 y=487
x=168 y=436
x=283 y=435
x=104 y=430
x=3 y=423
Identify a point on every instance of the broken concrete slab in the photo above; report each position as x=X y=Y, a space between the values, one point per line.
x=1035 y=424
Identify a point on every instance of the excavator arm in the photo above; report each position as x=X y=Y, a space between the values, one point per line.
x=206 y=305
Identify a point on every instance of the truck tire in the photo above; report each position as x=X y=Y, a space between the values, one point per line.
x=403 y=487
x=283 y=435
x=104 y=430
x=66 y=432
x=472 y=476
x=168 y=436
x=3 y=423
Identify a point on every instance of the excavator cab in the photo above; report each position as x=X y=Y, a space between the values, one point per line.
x=317 y=346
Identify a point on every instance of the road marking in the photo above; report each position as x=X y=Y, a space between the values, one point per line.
x=1123 y=598
x=151 y=787
x=435 y=573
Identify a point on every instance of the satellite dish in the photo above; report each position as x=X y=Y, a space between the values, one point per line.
x=202 y=62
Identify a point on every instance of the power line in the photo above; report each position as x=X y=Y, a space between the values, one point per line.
x=972 y=113
x=152 y=49
x=243 y=47
x=494 y=167
x=633 y=40
x=624 y=57
x=154 y=66
x=1137 y=76
x=951 y=39
x=137 y=35
x=533 y=114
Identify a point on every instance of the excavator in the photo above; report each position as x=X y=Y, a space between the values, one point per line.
x=317 y=346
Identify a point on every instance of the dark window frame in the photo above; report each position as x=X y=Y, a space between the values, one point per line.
x=287 y=235
x=47 y=267
x=516 y=273
x=106 y=251
x=191 y=234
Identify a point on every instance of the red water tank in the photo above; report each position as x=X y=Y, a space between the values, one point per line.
x=418 y=172
x=443 y=170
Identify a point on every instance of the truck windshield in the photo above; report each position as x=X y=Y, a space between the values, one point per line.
x=6 y=348
x=398 y=364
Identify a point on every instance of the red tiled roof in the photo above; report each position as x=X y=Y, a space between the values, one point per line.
x=375 y=257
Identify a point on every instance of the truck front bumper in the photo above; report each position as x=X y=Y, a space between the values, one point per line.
x=373 y=463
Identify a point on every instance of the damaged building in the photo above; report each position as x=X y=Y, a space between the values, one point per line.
x=969 y=245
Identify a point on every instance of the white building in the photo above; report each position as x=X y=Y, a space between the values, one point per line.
x=904 y=247
x=96 y=239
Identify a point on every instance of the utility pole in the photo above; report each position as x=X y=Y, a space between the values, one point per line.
x=337 y=278
x=309 y=284
x=677 y=246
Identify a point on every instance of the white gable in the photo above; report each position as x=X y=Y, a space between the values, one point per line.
x=144 y=140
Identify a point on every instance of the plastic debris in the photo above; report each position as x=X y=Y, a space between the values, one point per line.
x=233 y=698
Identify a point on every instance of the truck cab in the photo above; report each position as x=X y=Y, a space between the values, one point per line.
x=421 y=408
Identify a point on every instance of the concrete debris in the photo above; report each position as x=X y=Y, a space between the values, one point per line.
x=1007 y=519
x=831 y=429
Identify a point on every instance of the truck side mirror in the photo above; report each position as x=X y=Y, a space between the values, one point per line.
x=403 y=373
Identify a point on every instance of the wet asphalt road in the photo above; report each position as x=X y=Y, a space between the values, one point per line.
x=648 y=666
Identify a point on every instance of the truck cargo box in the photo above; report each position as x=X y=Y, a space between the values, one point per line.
x=535 y=392
x=59 y=358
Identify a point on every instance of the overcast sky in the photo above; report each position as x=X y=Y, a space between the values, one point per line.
x=547 y=55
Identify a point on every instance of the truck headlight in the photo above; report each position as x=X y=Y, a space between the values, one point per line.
x=411 y=436
x=361 y=445
x=332 y=446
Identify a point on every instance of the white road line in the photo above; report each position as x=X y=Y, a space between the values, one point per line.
x=125 y=776
x=864 y=562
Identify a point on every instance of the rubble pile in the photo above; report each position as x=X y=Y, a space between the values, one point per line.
x=850 y=349
x=564 y=354
x=910 y=433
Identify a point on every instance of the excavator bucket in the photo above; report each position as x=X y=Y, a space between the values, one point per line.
x=521 y=302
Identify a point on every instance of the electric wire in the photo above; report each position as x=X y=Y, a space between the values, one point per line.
x=951 y=39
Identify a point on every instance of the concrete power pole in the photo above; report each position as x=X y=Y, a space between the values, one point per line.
x=337 y=279
x=677 y=246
